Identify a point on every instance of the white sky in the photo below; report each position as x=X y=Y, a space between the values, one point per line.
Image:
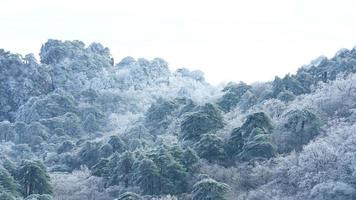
x=229 y=40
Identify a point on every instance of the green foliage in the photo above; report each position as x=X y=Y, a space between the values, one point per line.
x=7 y=132
x=105 y=151
x=39 y=197
x=286 y=96
x=121 y=169
x=300 y=127
x=7 y=183
x=21 y=78
x=256 y=120
x=158 y=111
x=34 y=178
x=90 y=153
x=52 y=105
x=101 y=168
x=189 y=158
x=5 y=195
x=129 y=196
x=65 y=147
x=235 y=142
x=252 y=139
x=172 y=174
x=209 y=189
x=35 y=134
x=117 y=144
x=257 y=147
x=232 y=96
x=174 y=179
x=211 y=148
x=90 y=123
x=148 y=177
x=289 y=83
x=208 y=118
x=161 y=113
x=70 y=123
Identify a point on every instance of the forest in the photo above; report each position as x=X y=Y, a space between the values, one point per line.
x=76 y=125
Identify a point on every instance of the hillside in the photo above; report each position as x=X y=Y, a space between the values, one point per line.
x=77 y=125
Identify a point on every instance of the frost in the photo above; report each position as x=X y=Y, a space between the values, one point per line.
x=137 y=130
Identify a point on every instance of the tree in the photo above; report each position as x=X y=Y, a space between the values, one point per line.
x=90 y=153
x=251 y=139
x=286 y=96
x=259 y=146
x=300 y=127
x=333 y=191
x=235 y=142
x=172 y=174
x=117 y=144
x=232 y=96
x=189 y=158
x=208 y=118
x=148 y=177
x=5 y=195
x=65 y=147
x=34 y=178
x=123 y=170
x=175 y=179
x=90 y=123
x=256 y=120
x=129 y=196
x=101 y=168
x=39 y=197
x=211 y=147
x=7 y=132
x=209 y=189
x=157 y=114
x=7 y=183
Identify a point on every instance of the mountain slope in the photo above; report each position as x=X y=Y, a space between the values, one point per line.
x=136 y=130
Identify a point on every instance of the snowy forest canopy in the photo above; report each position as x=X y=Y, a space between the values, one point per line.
x=78 y=126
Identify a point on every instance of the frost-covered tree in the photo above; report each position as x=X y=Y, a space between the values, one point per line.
x=129 y=196
x=123 y=171
x=299 y=128
x=89 y=153
x=117 y=144
x=90 y=123
x=20 y=79
x=211 y=148
x=33 y=177
x=8 y=184
x=333 y=191
x=208 y=118
x=232 y=95
x=252 y=139
x=189 y=158
x=209 y=189
x=39 y=197
x=259 y=146
x=148 y=177
x=103 y=129
x=173 y=175
x=5 y=195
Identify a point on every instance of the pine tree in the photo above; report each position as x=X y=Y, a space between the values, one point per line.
x=211 y=147
x=129 y=196
x=148 y=177
x=90 y=123
x=7 y=183
x=209 y=189
x=34 y=178
x=122 y=171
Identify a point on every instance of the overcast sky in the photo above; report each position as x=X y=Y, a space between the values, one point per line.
x=229 y=40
